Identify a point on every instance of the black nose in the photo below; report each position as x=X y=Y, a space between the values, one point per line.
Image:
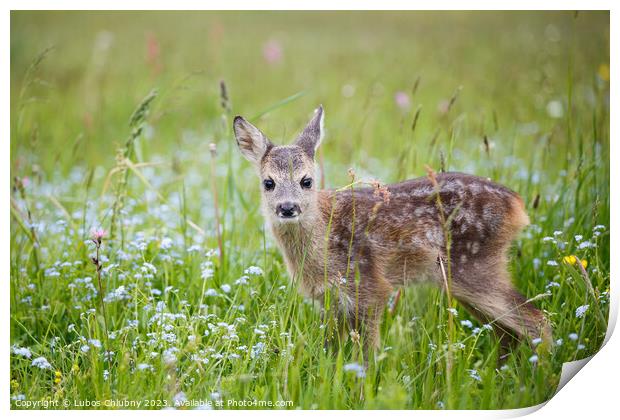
x=287 y=209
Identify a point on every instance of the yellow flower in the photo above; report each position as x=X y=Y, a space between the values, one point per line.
x=14 y=384
x=603 y=72
x=75 y=368
x=572 y=260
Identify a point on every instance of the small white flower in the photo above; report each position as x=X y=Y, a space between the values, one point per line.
x=537 y=341
x=473 y=373
x=257 y=350
x=243 y=280
x=467 y=323
x=253 y=270
x=534 y=359
x=359 y=370
x=179 y=399
x=206 y=270
x=557 y=233
x=118 y=294
x=148 y=267
x=573 y=336
x=85 y=348
x=225 y=288
x=143 y=366
x=578 y=238
x=453 y=311
x=552 y=263
x=21 y=351
x=211 y=292
x=170 y=355
x=41 y=363
x=548 y=239
x=559 y=342
x=580 y=346
x=555 y=109
x=580 y=311
x=166 y=243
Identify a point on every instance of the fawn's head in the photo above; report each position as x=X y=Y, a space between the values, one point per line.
x=287 y=173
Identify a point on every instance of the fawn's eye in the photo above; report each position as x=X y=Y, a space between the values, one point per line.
x=306 y=183
x=269 y=184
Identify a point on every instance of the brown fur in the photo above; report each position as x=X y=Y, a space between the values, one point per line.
x=357 y=234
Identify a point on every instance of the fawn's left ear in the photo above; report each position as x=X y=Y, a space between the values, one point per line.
x=310 y=139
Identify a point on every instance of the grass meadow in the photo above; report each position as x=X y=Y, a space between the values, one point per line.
x=122 y=122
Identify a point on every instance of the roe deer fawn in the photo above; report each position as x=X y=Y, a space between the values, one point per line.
x=364 y=244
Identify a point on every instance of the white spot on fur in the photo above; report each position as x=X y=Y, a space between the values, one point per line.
x=434 y=237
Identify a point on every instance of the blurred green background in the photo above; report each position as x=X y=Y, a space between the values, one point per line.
x=510 y=66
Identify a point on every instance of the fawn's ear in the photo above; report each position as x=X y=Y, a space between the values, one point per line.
x=251 y=141
x=310 y=139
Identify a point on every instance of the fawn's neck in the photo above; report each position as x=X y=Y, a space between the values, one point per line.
x=303 y=245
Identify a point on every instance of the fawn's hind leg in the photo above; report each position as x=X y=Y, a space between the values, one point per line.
x=492 y=295
x=506 y=338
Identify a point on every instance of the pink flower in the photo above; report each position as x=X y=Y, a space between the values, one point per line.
x=443 y=107
x=153 y=52
x=402 y=100
x=97 y=234
x=272 y=52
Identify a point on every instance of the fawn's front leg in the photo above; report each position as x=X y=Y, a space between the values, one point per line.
x=365 y=322
x=371 y=328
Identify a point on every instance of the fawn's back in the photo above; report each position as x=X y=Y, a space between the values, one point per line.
x=402 y=231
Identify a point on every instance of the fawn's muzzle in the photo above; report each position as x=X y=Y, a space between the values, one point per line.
x=287 y=210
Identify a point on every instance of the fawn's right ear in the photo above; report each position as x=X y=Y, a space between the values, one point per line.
x=251 y=141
